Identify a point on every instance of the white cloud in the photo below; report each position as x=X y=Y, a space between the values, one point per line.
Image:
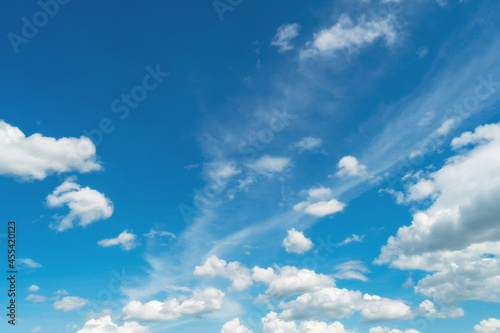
x=491 y=325
x=285 y=34
x=215 y=267
x=203 y=301
x=36 y=298
x=296 y=242
x=34 y=288
x=346 y=35
x=153 y=233
x=289 y=281
x=37 y=156
x=351 y=270
x=428 y=309
x=350 y=166
x=272 y=324
x=70 y=303
x=269 y=165
x=339 y=303
x=61 y=292
x=320 y=202
x=446 y=127
x=85 y=205
x=30 y=263
x=221 y=172
x=126 y=240
x=457 y=237
x=106 y=325
x=354 y=238
x=308 y=143
x=380 y=329
x=234 y=326
x=36 y=329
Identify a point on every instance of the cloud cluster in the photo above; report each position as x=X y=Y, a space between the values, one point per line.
x=85 y=205
x=320 y=203
x=38 y=156
x=70 y=303
x=234 y=326
x=491 y=325
x=106 y=325
x=215 y=267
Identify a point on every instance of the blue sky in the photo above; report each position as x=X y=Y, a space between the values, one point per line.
x=250 y=166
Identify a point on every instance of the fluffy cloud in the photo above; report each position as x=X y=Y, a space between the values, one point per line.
x=289 y=281
x=234 y=326
x=340 y=303
x=215 y=267
x=203 y=301
x=296 y=242
x=85 y=205
x=491 y=325
x=320 y=202
x=308 y=143
x=70 y=303
x=126 y=240
x=346 y=35
x=380 y=329
x=37 y=156
x=284 y=36
x=350 y=166
x=35 y=298
x=457 y=236
x=269 y=165
x=106 y=325
x=428 y=309
x=272 y=324
x=34 y=288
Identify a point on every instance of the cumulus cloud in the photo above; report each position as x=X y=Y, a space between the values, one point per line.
x=340 y=303
x=85 y=205
x=320 y=203
x=203 y=301
x=215 y=267
x=234 y=326
x=37 y=156
x=126 y=240
x=33 y=288
x=36 y=298
x=70 y=303
x=296 y=242
x=308 y=143
x=428 y=309
x=351 y=270
x=347 y=35
x=380 y=329
x=285 y=34
x=491 y=325
x=457 y=238
x=270 y=165
x=106 y=325
x=272 y=324
x=350 y=166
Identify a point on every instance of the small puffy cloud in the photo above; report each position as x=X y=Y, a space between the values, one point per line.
x=269 y=165
x=289 y=281
x=203 y=301
x=491 y=325
x=28 y=263
x=126 y=240
x=308 y=143
x=85 y=205
x=106 y=325
x=234 y=326
x=61 y=292
x=37 y=156
x=215 y=267
x=285 y=34
x=353 y=239
x=33 y=288
x=347 y=35
x=428 y=309
x=70 y=303
x=320 y=202
x=380 y=329
x=271 y=323
x=351 y=270
x=350 y=166
x=221 y=172
x=296 y=242
x=36 y=298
